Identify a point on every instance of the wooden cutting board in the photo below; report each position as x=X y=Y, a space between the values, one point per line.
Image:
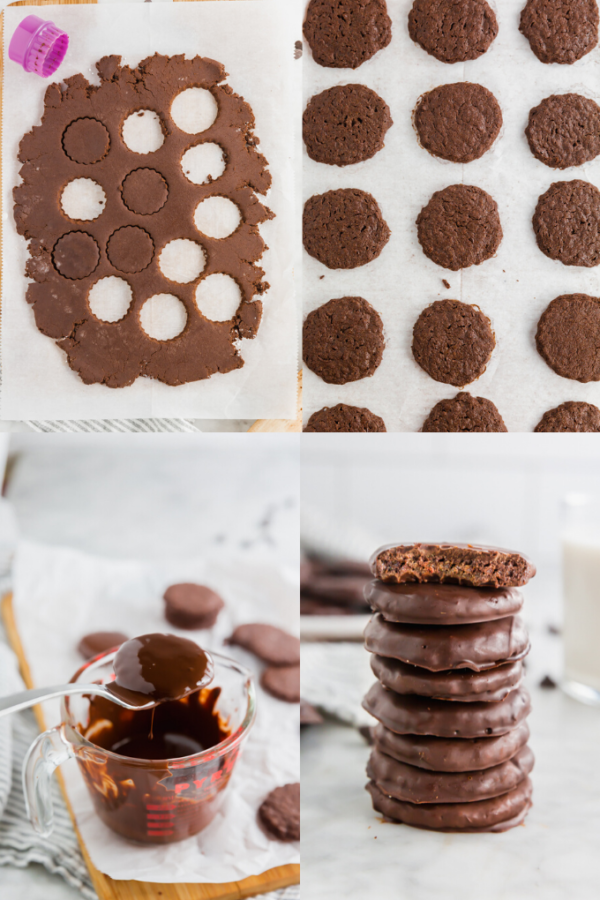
x=109 y=889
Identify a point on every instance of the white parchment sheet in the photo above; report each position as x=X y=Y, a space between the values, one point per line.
x=61 y=594
x=512 y=289
x=254 y=39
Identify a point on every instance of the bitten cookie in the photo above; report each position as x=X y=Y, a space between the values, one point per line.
x=560 y=31
x=570 y=416
x=343 y=34
x=459 y=227
x=564 y=130
x=271 y=644
x=453 y=342
x=280 y=813
x=344 y=229
x=99 y=641
x=344 y=418
x=464 y=413
x=458 y=122
x=342 y=340
x=192 y=606
x=452 y=30
x=465 y=564
x=568 y=337
x=566 y=223
x=345 y=125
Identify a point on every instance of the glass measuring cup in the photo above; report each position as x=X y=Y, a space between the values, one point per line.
x=153 y=801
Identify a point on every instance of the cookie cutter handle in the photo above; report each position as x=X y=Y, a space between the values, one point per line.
x=38 y=46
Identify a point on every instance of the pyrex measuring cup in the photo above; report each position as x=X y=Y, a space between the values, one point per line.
x=154 y=801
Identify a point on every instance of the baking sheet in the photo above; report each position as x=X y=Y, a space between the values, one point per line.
x=512 y=289
x=61 y=594
x=254 y=40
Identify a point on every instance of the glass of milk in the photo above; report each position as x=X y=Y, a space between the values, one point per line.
x=581 y=593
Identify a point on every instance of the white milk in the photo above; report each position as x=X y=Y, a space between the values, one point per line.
x=581 y=589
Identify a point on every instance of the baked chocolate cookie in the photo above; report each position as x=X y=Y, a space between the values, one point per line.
x=192 y=605
x=568 y=337
x=343 y=34
x=564 y=130
x=452 y=30
x=459 y=227
x=342 y=340
x=282 y=682
x=344 y=229
x=309 y=715
x=458 y=122
x=570 y=416
x=99 y=642
x=560 y=31
x=345 y=125
x=453 y=342
x=464 y=564
x=271 y=644
x=464 y=413
x=280 y=813
x=460 y=684
x=344 y=418
x=566 y=223
x=441 y=604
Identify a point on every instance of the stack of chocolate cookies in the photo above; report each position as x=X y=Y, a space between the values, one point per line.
x=450 y=751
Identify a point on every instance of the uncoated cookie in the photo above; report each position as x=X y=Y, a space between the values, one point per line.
x=560 y=31
x=343 y=34
x=452 y=30
x=464 y=413
x=568 y=337
x=453 y=342
x=570 y=416
x=343 y=418
x=344 y=229
x=566 y=223
x=343 y=340
x=345 y=125
x=458 y=122
x=564 y=130
x=459 y=227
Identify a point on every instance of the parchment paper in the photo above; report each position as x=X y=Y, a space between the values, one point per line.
x=62 y=594
x=254 y=40
x=512 y=289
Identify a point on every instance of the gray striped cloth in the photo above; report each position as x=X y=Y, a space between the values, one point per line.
x=125 y=426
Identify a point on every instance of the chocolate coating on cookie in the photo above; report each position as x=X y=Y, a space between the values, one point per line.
x=453 y=342
x=566 y=223
x=568 y=337
x=343 y=34
x=452 y=30
x=192 y=605
x=464 y=413
x=344 y=229
x=345 y=125
x=461 y=684
x=570 y=416
x=458 y=122
x=282 y=682
x=271 y=644
x=343 y=340
x=442 y=604
x=564 y=130
x=459 y=227
x=279 y=814
x=466 y=564
x=343 y=418
x=99 y=642
x=560 y=31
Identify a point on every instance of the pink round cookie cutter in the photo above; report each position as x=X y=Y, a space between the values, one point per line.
x=38 y=45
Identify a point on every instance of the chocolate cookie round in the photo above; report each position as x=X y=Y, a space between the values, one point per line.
x=568 y=337
x=466 y=564
x=566 y=223
x=282 y=682
x=192 y=605
x=344 y=418
x=342 y=340
x=99 y=642
x=451 y=754
x=459 y=227
x=452 y=30
x=280 y=813
x=86 y=141
x=344 y=229
x=560 y=31
x=465 y=685
x=343 y=34
x=453 y=342
x=76 y=255
x=478 y=646
x=271 y=644
x=570 y=416
x=407 y=714
x=564 y=130
x=458 y=122
x=496 y=814
x=345 y=125
x=442 y=604
x=464 y=413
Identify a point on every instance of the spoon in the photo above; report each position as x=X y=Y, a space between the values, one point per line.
x=24 y=699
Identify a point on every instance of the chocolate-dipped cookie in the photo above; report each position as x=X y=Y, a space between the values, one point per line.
x=441 y=604
x=465 y=685
x=271 y=644
x=279 y=813
x=192 y=605
x=99 y=642
x=282 y=682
